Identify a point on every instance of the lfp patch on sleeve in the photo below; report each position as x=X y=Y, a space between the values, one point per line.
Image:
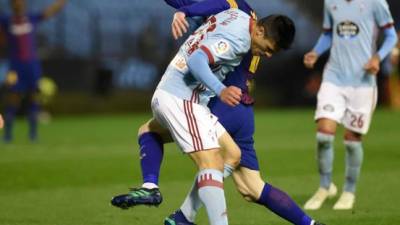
x=221 y=47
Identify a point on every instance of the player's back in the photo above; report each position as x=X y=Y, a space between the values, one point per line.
x=225 y=38
x=354 y=26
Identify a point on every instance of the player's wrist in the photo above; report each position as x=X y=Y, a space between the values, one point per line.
x=220 y=89
x=378 y=56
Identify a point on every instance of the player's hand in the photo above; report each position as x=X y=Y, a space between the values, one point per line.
x=1 y=122
x=179 y=25
x=310 y=59
x=231 y=95
x=373 y=65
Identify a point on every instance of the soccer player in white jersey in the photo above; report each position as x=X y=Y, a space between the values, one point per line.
x=347 y=94
x=179 y=103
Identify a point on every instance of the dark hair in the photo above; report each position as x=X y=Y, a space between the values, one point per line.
x=279 y=28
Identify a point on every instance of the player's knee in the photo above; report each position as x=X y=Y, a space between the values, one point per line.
x=326 y=126
x=144 y=128
x=233 y=157
x=352 y=136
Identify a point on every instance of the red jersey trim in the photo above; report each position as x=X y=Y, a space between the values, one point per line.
x=209 y=55
x=386 y=26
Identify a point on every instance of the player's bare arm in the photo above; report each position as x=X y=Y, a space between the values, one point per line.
x=394 y=57
x=373 y=65
x=1 y=122
x=179 y=25
x=54 y=8
x=310 y=59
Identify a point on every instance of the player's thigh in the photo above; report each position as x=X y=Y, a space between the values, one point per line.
x=230 y=150
x=248 y=182
x=155 y=127
x=326 y=125
x=191 y=125
x=209 y=159
x=360 y=109
x=331 y=106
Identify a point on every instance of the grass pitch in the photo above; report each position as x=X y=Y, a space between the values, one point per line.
x=70 y=175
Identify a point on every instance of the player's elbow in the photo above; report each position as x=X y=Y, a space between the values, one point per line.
x=199 y=59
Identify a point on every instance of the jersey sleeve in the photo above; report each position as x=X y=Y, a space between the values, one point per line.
x=207 y=7
x=382 y=14
x=328 y=21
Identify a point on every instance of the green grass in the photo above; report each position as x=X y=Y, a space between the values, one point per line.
x=79 y=163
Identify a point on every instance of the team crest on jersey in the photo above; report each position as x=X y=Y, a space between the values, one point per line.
x=329 y=108
x=347 y=29
x=21 y=29
x=179 y=63
x=221 y=47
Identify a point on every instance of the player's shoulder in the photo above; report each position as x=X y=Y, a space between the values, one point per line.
x=233 y=19
x=330 y=2
x=233 y=14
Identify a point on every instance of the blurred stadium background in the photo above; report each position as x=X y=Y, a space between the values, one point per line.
x=98 y=52
x=106 y=57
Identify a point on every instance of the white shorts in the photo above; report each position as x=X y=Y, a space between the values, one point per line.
x=351 y=106
x=192 y=126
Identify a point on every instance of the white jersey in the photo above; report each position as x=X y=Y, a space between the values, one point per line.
x=225 y=38
x=354 y=24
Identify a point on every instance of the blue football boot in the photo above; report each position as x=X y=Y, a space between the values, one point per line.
x=138 y=196
x=177 y=218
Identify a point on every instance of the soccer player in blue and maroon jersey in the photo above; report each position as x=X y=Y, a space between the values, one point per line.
x=25 y=68
x=238 y=121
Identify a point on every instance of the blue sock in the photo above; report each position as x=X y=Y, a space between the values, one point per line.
x=9 y=117
x=151 y=155
x=282 y=205
x=33 y=111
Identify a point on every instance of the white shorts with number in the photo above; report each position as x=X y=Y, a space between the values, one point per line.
x=351 y=106
x=192 y=126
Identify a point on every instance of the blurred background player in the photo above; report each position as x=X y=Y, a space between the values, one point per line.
x=239 y=122
x=1 y=122
x=25 y=69
x=348 y=92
